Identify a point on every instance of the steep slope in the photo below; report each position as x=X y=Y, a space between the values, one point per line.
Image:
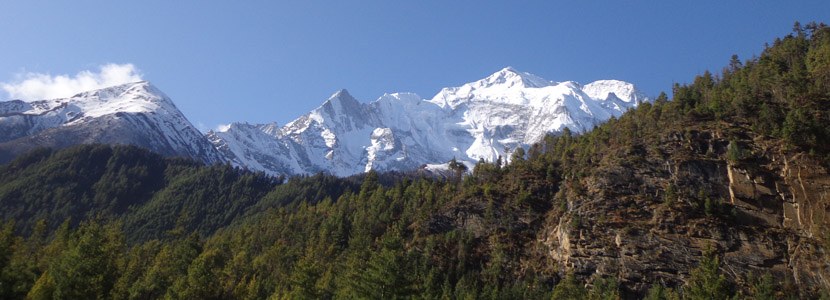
x=150 y=193
x=485 y=119
x=648 y=208
x=720 y=193
x=135 y=113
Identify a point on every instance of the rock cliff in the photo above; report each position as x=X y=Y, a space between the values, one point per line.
x=647 y=217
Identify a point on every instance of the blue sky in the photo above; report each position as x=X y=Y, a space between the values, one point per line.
x=264 y=61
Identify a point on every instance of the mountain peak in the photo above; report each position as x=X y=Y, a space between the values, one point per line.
x=506 y=85
x=510 y=77
x=132 y=113
x=614 y=89
x=120 y=89
x=133 y=97
x=342 y=93
x=340 y=103
x=342 y=98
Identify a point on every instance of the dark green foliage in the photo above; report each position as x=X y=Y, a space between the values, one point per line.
x=203 y=277
x=762 y=288
x=304 y=278
x=385 y=276
x=518 y=155
x=86 y=266
x=200 y=199
x=706 y=280
x=734 y=153
x=783 y=93
x=79 y=182
x=709 y=206
x=8 y=244
x=660 y=292
x=120 y=222
x=311 y=237
x=569 y=289
x=605 y=289
x=152 y=194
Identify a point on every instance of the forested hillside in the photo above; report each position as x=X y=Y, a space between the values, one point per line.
x=150 y=194
x=718 y=191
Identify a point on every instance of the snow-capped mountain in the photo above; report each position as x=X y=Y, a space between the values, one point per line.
x=484 y=119
x=135 y=113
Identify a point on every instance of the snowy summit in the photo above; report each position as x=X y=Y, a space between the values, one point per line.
x=484 y=119
x=134 y=113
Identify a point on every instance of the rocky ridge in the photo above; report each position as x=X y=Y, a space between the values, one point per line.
x=481 y=120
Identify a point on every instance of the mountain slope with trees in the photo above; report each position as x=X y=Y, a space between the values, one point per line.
x=714 y=193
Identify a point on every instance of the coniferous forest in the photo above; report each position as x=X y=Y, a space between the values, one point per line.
x=101 y=221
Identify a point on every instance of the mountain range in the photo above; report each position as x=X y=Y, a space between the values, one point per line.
x=482 y=120
x=719 y=192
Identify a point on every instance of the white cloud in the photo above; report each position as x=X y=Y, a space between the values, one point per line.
x=38 y=86
x=222 y=127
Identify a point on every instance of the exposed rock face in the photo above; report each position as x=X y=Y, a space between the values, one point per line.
x=645 y=217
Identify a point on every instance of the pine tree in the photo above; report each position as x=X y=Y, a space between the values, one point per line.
x=706 y=281
x=386 y=275
x=605 y=289
x=569 y=289
x=202 y=280
x=659 y=292
x=304 y=278
x=518 y=155
x=87 y=269
x=762 y=288
x=734 y=153
x=8 y=243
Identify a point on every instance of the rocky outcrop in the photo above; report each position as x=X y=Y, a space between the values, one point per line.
x=649 y=220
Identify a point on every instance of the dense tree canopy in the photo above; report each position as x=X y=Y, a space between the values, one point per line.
x=121 y=222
